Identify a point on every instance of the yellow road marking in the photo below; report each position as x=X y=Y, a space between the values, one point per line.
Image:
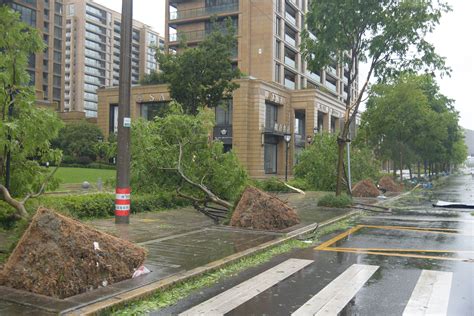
x=396 y=254
x=338 y=237
x=402 y=250
x=391 y=251
x=411 y=227
x=416 y=229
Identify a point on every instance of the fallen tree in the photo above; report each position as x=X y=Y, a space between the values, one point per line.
x=19 y=205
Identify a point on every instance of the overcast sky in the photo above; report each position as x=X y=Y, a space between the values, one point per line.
x=451 y=39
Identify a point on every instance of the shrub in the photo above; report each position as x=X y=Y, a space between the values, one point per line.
x=95 y=205
x=272 y=184
x=299 y=183
x=330 y=200
x=92 y=165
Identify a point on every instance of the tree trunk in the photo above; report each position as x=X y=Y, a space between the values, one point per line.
x=411 y=174
x=340 y=167
x=19 y=206
x=401 y=166
x=419 y=175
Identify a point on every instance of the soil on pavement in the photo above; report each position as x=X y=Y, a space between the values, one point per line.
x=60 y=257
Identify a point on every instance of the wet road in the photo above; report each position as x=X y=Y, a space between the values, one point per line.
x=412 y=263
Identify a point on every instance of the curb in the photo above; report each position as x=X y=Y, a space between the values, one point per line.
x=147 y=290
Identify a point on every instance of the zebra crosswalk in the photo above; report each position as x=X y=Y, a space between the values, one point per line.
x=429 y=297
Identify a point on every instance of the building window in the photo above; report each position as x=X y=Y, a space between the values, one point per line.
x=224 y=113
x=57 y=81
x=290 y=80
x=278 y=5
x=278 y=26
x=277 y=49
x=113 y=118
x=57 y=69
x=270 y=154
x=57 y=93
x=277 y=73
x=290 y=58
x=27 y=15
x=150 y=110
x=271 y=115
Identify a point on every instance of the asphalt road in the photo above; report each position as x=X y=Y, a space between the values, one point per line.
x=417 y=262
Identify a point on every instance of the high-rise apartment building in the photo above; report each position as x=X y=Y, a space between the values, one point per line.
x=46 y=68
x=92 y=53
x=269 y=35
x=278 y=95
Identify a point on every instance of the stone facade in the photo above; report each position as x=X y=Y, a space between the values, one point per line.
x=249 y=133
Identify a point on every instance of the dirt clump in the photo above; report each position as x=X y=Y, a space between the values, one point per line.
x=61 y=257
x=388 y=184
x=259 y=210
x=365 y=188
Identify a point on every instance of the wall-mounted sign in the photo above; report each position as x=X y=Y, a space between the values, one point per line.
x=127 y=122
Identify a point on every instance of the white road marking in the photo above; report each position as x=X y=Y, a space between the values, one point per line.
x=335 y=296
x=239 y=294
x=431 y=294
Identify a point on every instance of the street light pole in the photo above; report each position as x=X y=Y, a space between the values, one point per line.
x=349 y=164
x=122 y=190
x=287 y=138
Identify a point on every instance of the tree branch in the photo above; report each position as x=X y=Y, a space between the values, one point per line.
x=19 y=206
x=214 y=198
x=42 y=188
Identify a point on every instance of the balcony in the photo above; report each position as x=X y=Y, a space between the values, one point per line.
x=205 y=11
x=190 y=36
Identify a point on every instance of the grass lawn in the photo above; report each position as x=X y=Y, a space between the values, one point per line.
x=79 y=175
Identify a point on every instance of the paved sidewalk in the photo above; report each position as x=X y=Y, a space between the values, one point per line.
x=178 y=241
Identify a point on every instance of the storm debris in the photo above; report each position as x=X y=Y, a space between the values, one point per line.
x=61 y=257
x=259 y=210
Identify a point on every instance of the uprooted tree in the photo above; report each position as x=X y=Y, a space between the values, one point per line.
x=387 y=35
x=177 y=152
x=25 y=130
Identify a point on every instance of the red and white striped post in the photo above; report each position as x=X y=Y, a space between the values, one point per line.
x=122 y=203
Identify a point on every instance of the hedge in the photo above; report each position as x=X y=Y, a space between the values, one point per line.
x=330 y=200
x=97 y=205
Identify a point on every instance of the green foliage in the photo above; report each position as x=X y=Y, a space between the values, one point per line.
x=388 y=36
x=201 y=76
x=80 y=139
x=153 y=77
x=317 y=165
x=272 y=184
x=331 y=200
x=156 y=150
x=25 y=130
x=179 y=291
x=408 y=120
x=97 y=205
x=299 y=183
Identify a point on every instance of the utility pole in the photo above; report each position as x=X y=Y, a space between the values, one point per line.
x=122 y=190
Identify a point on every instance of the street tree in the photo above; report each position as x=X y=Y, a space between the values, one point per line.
x=409 y=121
x=387 y=35
x=317 y=164
x=202 y=76
x=176 y=152
x=25 y=130
x=397 y=114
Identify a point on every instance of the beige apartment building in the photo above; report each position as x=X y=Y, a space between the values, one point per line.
x=278 y=94
x=92 y=53
x=46 y=69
